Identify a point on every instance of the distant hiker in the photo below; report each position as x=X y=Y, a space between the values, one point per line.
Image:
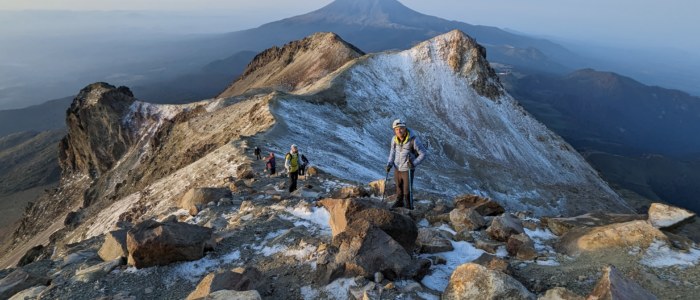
x=270 y=164
x=304 y=164
x=406 y=153
x=292 y=162
x=257 y=153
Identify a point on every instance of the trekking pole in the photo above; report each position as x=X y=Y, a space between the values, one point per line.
x=410 y=190
x=384 y=189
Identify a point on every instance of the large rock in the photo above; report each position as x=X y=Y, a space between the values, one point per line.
x=152 y=243
x=114 y=245
x=662 y=215
x=494 y=263
x=30 y=293
x=378 y=187
x=233 y=295
x=560 y=293
x=18 y=281
x=243 y=280
x=342 y=211
x=560 y=226
x=365 y=249
x=621 y=235
x=97 y=271
x=475 y=282
x=195 y=199
x=466 y=219
x=351 y=192
x=484 y=206
x=521 y=247
x=503 y=227
x=431 y=240
x=614 y=286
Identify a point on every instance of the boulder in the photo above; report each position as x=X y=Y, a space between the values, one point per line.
x=503 y=227
x=114 y=245
x=613 y=285
x=234 y=280
x=97 y=271
x=351 y=192
x=233 y=295
x=620 y=235
x=487 y=245
x=195 y=199
x=18 y=281
x=484 y=206
x=663 y=216
x=152 y=243
x=559 y=226
x=365 y=249
x=521 y=247
x=466 y=219
x=560 y=293
x=476 y=282
x=30 y=293
x=378 y=187
x=35 y=253
x=400 y=227
x=244 y=172
x=494 y=263
x=431 y=240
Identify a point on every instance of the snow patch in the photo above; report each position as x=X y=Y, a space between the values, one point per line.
x=659 y=255
x=440 y=275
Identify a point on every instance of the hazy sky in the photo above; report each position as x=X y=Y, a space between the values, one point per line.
x=672 y=23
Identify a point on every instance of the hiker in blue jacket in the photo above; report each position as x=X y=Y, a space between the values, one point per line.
x=406 y=153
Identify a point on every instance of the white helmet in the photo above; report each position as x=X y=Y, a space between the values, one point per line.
x=398 y=123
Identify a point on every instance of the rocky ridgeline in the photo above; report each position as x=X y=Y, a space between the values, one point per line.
x=250 y=239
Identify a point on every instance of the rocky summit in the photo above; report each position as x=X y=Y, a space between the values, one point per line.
x=169 y=201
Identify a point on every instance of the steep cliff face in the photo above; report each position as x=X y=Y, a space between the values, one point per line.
x=96 y=137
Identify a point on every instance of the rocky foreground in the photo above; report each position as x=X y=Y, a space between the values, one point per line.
x=250 y=239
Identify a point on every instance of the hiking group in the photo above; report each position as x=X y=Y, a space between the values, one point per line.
x=405 y=154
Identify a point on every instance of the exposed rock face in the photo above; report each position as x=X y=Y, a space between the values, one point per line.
x=504 y=226
x=196 y=198
x=466 y=219
x=225 y=280
x=521 y=246
x=484 y=206
x=620 y=235
x=295 y=65
x=662 y=215
x=96 y=137
x=114 y=245
x=473 y=281
x=30 y=293
x=152 y=243
x=560 y=226
x=431 y=241
x=19 y=280
x=95 y=272
x=613 y=285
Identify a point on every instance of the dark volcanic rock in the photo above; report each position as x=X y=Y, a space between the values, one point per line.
x=152 y=243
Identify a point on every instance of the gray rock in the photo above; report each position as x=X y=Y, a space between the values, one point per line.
x=152 y=243
x=431 y=240
x=483 y=206
x=521 y=247
x=663 y=216
x=466 y=219
x=195 y=199
x=560 y=293
x=97 y=271
x=238 y=280
x=503 y=227
x=30 y=293
x=476 y=282
x=114 y=245
x=18 y=281
x=614 y=286
x=233 y=295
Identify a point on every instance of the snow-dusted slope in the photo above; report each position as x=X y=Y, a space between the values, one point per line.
x=479 y=139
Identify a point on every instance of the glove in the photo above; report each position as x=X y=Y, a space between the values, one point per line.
x=388 y=168
x=410 y=164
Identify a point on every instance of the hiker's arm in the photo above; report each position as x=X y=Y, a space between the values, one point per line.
x=421 y=152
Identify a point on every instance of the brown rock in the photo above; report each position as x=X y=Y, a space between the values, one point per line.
x=225 y=280
x=559 y=226
x=351 y=192
x=244 y=172
x=464 y=235
x=18 y=281
x=621 y=235
x=312 y=171
x=430 y=240
x=493 y=262
x=521 y=247
x=195 y=199
x=152 y=243
x=484 y=206
x=377 y=187
x=663 y=216
x=438 y=218
x=476 y=282
x=560 y=293
x=466 y=219
x=613 y=285
x=503 y=227
x=488 y=246
x=114 y=245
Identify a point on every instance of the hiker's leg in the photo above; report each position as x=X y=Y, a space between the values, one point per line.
x=399 y=188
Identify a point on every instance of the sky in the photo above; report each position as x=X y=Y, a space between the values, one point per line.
x=634 y=23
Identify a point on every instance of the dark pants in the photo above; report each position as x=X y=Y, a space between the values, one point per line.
x=293 y=176
x=302 y=170
x=272 y=171
x=257 y=156
x=402 y=188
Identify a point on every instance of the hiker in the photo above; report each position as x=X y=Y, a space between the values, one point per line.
x=257 y=153
x=406 y=153
x=304 y=164
x=292 y=162
x=270 y=164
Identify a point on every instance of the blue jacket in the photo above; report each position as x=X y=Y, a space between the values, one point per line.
x=403 y=151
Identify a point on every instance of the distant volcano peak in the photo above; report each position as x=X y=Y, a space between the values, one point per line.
x=362 y=12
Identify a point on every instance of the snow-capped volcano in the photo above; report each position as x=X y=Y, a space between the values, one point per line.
x=479 y=139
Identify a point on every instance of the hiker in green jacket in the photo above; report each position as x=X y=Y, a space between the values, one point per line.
x=292 y=162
